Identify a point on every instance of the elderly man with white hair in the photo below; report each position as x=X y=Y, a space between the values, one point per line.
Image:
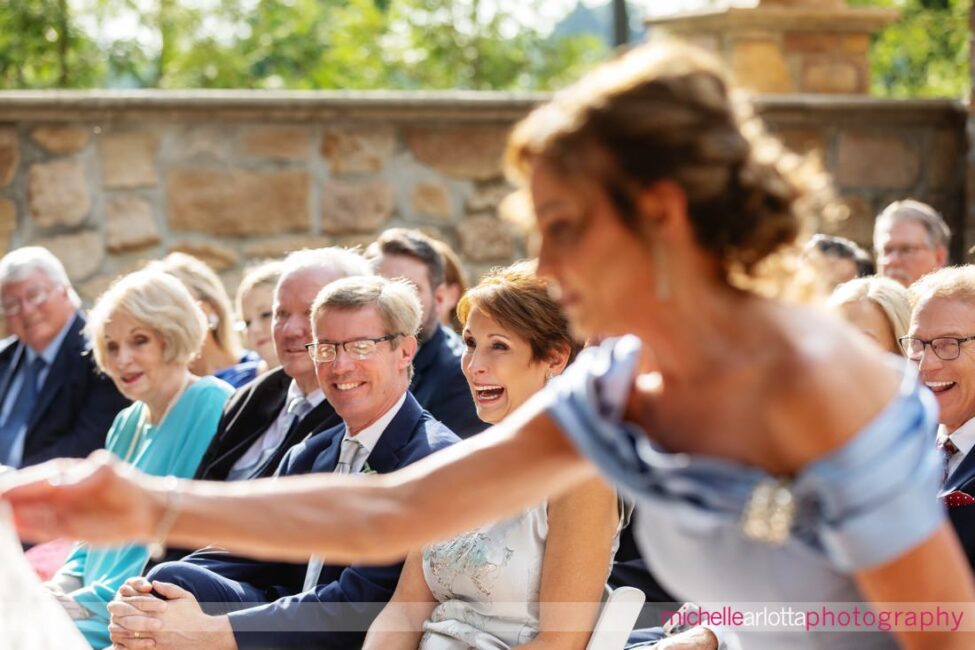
x=53 y=401
x=910 y=239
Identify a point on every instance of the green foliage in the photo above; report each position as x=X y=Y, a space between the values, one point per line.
x=40 y=47
x=925 y=53
x=300 y=44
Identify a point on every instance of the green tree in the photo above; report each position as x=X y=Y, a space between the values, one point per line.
x=41 y=47
x=925 y=53
x=301 y=44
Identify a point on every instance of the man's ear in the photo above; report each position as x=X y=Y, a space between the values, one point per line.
x=439 y=297
x=941 y=254
x=407 y=348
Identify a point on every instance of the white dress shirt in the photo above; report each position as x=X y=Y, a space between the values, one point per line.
x=275 y=433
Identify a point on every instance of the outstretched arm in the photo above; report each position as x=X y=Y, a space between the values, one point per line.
x=346 y=518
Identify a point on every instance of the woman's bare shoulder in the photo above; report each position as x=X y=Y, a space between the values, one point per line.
x=835 y=380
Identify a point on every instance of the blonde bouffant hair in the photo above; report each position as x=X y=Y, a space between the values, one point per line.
x=158 y=301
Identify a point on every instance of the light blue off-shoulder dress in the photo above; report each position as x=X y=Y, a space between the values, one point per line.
x=864 y=504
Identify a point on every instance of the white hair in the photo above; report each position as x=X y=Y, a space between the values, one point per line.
x=18 y=264
x=346 y=262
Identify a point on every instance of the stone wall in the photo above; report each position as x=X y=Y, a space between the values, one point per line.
x=109 y=180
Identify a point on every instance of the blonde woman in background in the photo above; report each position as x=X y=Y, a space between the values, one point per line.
x=222 y=354
x=255 y=310
x=877 y=306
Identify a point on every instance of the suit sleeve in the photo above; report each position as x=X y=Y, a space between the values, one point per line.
x=97 y=408
x=336 y=615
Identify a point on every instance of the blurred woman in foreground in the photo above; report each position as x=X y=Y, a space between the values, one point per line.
x=727 y=414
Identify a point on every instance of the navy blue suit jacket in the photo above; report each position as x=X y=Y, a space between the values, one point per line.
x=346 y=596
x=963 y=517
x=440 y=386
x=75 y=406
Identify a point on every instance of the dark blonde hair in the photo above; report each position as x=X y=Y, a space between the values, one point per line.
x=205 y=285
x=667 y=112
x=519 y=300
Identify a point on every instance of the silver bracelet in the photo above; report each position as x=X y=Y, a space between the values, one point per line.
x=157 y=549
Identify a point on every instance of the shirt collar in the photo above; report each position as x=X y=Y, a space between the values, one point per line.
x=51 y=351
x=369 y=436
x=314 y=398
x=963 y=437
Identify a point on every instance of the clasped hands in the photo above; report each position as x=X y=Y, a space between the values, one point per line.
x=142 y=621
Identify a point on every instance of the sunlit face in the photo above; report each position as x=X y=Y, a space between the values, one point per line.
x=362 y=390
x=953 y=382
x=499 y=367
x=868 y=317
x=44 y=309
x=257 y=307
x=291 y=323
x=134 y=358
x=905 y=253
x=412 y=269
x=602 y=268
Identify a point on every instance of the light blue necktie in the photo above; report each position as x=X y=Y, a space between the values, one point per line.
x=21 y=411
x=347 y=456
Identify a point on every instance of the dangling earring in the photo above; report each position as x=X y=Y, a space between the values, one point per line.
x=549 y=375
x=661 y=269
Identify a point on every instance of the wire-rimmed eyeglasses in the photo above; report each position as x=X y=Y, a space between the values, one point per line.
x=325 y=352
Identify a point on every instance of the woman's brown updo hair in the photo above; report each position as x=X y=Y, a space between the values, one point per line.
x=520 y=301
x=666 y=112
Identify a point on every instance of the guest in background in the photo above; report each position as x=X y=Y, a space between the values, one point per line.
x=438 y=383
x=482 y=590
x=455 y=285
x=53 y=402
x=222 y=354
x=834 y=260
x=879 y=307
x=145 y=329
x=910 y=239
x=268 y=416
x=363 y=347
x=255 y=310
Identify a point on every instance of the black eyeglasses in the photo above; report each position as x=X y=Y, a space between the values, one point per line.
x=946 y=348
x=357 y=348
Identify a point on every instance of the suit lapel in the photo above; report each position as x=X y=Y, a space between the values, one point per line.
x=385 y=456
x=329 y=458
x=964 y=473
x=16 y=355
x=261 y=409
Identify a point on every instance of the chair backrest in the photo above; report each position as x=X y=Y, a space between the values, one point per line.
x=616 y=619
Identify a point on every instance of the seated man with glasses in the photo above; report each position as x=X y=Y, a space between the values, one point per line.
x=53 y=401
x=364 y=343
x=910 y=239
x=941 y=340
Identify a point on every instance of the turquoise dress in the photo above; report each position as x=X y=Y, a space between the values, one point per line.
x=864 y=504
x=173 y=448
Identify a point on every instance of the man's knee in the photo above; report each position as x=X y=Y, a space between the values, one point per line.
x=200 y=582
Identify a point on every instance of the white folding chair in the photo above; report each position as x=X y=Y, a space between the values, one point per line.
x=616 y=619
